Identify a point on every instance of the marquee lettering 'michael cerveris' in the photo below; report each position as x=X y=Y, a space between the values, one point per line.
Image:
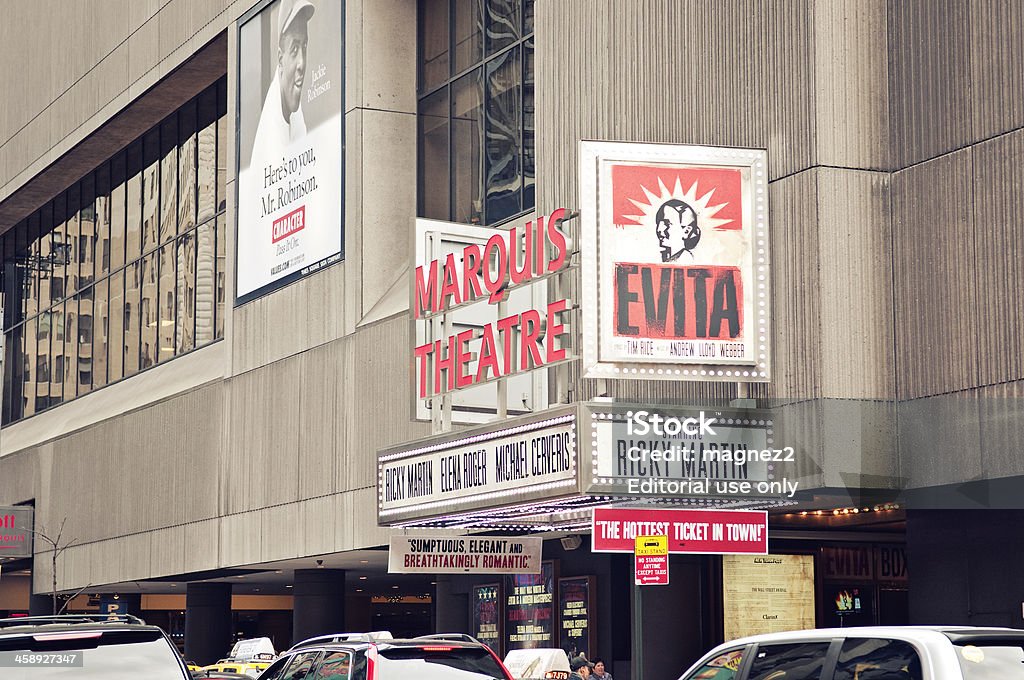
x=521 y=460
x=440 y=288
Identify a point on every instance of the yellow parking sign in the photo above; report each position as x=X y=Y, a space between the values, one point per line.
x=651 y=545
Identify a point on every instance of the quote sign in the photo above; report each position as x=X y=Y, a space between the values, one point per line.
x=463 y=555
x=716 y=532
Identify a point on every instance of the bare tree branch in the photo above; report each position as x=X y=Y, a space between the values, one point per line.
x=57 y=547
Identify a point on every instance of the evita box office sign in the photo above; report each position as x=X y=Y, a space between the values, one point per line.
x=675 y=262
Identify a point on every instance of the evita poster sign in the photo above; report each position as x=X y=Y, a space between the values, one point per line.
x=290 y=186
x=675 y=262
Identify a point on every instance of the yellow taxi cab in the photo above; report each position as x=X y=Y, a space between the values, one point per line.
x=248 y=657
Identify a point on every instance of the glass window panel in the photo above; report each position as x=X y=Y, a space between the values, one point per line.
x=51 y=244
x=150 y=190
x=801 y=661
x=103 y=217
x=206 y=283
x=5 y=405
x=72 y=234
x=529 y=144
x=132 y=327
x=13 y=279
x=168 y=179
x=503 y=179
x=149 y=311
x=34 y=265
x=467 y=151
x=13 y=376
x=206 y=155
x=70 y=348
x=44 y=359
x=503 y=23
x=467 y=43
x=7 y=278
x=32 y=367
x=528 y=10
x=878 y=659
x=168 y=307
x=57 y=322
x=115 y=324
x=433 y=150
x=433 y=43
x=222 y=291
x=133 y=209
x=117 y=211
x=101 y=309
x=85 y=340
x=24 y=270
x=58 y=250
x=87 y=232
x=185 y=297
x=187 y=167
x=222 y=145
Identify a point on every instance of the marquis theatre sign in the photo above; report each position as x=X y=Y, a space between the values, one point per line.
x=675 y=262
x=486 y=267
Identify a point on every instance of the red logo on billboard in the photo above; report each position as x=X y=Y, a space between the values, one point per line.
x=284 y=227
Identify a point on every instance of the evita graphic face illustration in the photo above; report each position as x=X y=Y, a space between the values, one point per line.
x=677 y=230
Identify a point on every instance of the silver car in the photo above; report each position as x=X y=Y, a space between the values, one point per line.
x=869 y=653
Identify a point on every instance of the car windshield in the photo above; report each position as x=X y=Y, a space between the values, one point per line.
x=991 y=662
x=84 y=655
x=438 y=662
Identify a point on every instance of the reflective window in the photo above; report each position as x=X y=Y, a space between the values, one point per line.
x=132 y=317
x=150 y=190
x=101 y=330
x=115 y=324
x=133 y=206
x=987 y=661
x=801 y=661
x=117 y=214
x=334 y=666
x=475 y=114
x=299 y=668
x=878 y=659
x=167 y=306
x=206 y=282
x=122 y=270
x=85 y=340
x=723 y=667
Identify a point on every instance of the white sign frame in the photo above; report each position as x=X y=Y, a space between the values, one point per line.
x=603 y=353
x=393 y=510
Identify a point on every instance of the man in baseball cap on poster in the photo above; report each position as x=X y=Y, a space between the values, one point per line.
x=281 y=120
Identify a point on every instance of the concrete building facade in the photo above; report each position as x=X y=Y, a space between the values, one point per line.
x=894 y=138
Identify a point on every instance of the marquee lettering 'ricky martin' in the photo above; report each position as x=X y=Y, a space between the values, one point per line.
x=409 y=481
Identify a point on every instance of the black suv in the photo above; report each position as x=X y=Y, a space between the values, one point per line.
x=368 y=657
x=87 y=647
